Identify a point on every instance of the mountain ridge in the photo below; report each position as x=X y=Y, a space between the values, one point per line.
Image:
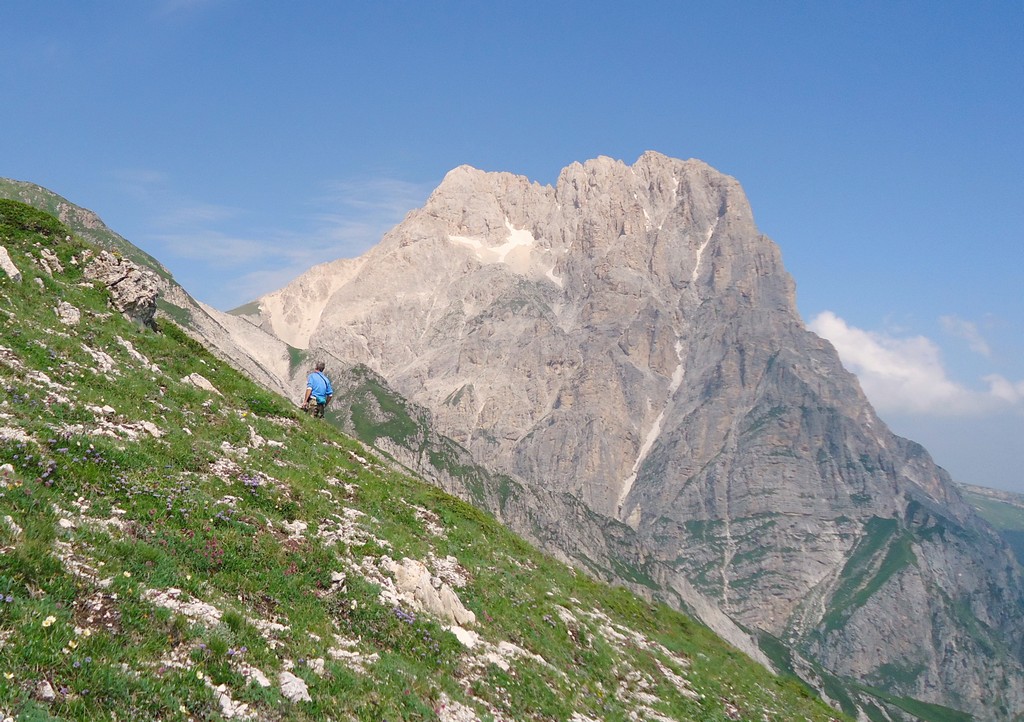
x=629 y=337
x=529 y=289
x=177 y=542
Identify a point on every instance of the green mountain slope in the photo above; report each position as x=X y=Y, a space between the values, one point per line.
x=367 y=407
x=1004 y=510
x=178 y=543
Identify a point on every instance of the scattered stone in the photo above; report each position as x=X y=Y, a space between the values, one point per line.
x=8 y=433
x=295 y=528
x=105 y=364
x=8 y=267
x=255 y=440
x=201 y=382
x=102 y=411
x=195 y=609
x=50 y=263
x=11 y=524
x=449 y=710
x=152 y=429
x=9 y=358
x=467 y=637
x=347 y=653
x=99 y=611
x=229 y=708
x=293 y=688
x=415 y=586
x=225 y=469
x=133 y=290
x=146 y=363
x=44 y=691
x=68 y=314
x=254 y=674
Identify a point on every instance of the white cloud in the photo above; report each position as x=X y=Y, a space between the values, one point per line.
x=1008 y=391
x=968 y=331
x=906 y=375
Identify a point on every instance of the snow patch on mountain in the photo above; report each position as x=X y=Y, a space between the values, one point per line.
x=520 y=252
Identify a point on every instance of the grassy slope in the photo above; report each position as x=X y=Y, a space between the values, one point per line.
x=277 y=533
x=83 y=223
x=1004 y=511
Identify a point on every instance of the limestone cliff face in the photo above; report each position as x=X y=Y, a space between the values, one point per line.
x=629 y=338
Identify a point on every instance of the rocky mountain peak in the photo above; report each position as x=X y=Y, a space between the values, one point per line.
x=629 y=338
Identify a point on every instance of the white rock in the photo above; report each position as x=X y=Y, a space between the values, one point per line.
x=152 y=429
x=467 y=638
x=295 y=528
x=254 y=674
x=195 y=609
x=7 y=265
x=200 y=381
x=413 y=580
x=293 y=688
x=68 y=314
x=50 y=261
x=133 y=290
x=45 y=691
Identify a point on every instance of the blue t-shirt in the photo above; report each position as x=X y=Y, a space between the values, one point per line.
x=320 y=387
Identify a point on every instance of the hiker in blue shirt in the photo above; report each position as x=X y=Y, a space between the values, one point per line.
x=318 y=389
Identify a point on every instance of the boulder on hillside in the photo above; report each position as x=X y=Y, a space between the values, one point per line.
x=7 y=265
x=133 y=290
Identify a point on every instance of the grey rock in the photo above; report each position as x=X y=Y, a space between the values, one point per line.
x=45 y=691
x=293 y=688
x=49 y=262
x=8 y=267
x=68 y=314
x=629 y=340
x=200 y=381
x=133 y=289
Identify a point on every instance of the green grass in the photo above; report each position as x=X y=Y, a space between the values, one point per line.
x=1006 y=515
x=1000 y=514
x=924 y=711
x=296 y=358
x=253 y=307
x=273 y=532
x=867 y=569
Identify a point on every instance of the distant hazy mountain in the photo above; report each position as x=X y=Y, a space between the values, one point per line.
x=629 y=339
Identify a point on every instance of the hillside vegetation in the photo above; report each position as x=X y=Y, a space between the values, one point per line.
x=1004 y=510
x=177 y=543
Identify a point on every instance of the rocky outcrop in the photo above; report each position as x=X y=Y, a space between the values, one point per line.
x=8 y=267
x=263 y=357
x=628 y=338
x=133 y=290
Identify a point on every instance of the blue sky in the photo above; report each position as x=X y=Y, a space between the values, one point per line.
x=880 y=144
